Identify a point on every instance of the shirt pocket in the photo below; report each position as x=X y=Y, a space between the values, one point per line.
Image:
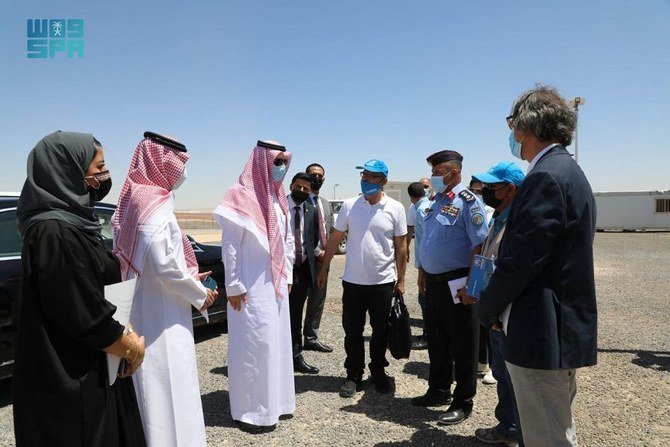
x=445 y=219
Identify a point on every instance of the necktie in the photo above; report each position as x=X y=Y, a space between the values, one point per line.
x=320 y=222
x=298 y=236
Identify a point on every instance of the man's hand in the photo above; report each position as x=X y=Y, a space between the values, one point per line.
x=289 y=288
x=421 y=281
x=237 y=300
x=211 y=297
x=400 y=287
x=203 y=275
x=466 y=299
x=497 y=326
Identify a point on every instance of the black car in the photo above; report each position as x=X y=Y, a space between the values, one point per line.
x=209 y=258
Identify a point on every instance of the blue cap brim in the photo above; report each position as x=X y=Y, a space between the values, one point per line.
x=488 y=178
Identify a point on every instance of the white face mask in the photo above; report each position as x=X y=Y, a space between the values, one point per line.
x=181 y=180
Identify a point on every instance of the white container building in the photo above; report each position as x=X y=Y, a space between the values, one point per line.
x=633 y=210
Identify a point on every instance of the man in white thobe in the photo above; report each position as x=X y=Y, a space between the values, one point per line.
x=150 y=245
x=257 y=252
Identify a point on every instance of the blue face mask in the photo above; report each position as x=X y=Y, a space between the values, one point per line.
x=514 y=146
x=278 y=172
x=437 y=183
x=370 y=189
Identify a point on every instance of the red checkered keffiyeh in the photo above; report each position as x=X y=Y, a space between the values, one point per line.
x=153 y=171
x=250 y=197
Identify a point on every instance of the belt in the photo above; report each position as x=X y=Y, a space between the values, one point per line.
x=447 y=276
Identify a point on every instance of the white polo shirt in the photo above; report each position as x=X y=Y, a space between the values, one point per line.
x=370 y=257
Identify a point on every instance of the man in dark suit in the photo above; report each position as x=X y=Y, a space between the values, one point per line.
x=302 y=224
x=543 y=290
x=317 y=295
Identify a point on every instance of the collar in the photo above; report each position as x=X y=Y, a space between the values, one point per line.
x=453 y=193
x=421 y=201
x=381 y=202
x=501 y=217
x=535 y=159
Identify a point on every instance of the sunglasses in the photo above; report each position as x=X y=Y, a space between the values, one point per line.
x=279 y=161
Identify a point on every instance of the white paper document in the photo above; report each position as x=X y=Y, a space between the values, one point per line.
x=456 y=284
x=121 y=295
x=504 y=317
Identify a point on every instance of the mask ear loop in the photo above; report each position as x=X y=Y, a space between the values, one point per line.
x=96 y=181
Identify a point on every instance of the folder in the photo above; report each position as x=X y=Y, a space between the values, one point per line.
x=121 y=295
x=480 y=274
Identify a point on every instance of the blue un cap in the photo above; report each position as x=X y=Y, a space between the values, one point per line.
x=502 y=172
x=375 y=165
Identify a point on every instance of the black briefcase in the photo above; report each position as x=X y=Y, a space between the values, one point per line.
x=398 y=329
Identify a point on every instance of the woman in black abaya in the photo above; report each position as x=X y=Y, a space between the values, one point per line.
x=61 y=387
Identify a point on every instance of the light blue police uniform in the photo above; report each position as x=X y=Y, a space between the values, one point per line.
x=420 y=209
x=455 y=224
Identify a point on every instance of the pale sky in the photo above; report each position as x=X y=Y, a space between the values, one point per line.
x=339 y=83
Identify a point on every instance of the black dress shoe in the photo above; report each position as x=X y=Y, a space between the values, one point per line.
x=381 y=381
x=316 y=345
x=453 y=416
x=419 y=344
x=249 y=428
x=301 y=366
x=432 y=399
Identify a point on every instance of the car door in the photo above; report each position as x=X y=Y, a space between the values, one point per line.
x=10 y=277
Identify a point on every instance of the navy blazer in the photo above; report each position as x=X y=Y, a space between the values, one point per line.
x=545 y=269
x=309 y=237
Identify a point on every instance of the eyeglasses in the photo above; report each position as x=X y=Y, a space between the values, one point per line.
x=492 y=186
x=301 y=188
x=510 y=120
x=369 y=176
x=279 y=161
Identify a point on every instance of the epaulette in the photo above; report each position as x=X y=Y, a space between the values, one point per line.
x=467 y=196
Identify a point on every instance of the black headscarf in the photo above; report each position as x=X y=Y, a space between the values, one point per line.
x=55 y=186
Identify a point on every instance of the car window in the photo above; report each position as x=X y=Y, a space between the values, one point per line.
x=105 y=217
x=10 y=240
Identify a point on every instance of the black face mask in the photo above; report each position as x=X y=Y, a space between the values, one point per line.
x=299 y=196
x=104 y=180
x=490 y=199
x=316 y=183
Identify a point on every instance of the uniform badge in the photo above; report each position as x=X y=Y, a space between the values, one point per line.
x=450 y=210
x=466 y=195
x=477 y=219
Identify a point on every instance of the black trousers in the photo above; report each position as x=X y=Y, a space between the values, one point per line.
x=316 y=299
x=302 y=284
x=453 y=339
x=357 y=300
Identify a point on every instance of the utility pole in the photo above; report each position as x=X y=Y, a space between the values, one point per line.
x=575 y=103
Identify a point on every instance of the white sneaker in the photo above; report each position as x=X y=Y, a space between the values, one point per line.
x=488 y=378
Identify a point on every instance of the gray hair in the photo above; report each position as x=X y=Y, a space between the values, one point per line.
x=544 y=113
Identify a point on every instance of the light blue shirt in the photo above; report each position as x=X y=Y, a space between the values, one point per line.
x=421 y=209
x=455 y=224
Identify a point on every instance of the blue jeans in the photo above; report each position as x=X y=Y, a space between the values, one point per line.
x=506 y=411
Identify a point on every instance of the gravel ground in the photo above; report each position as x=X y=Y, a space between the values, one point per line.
x=623 y=401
